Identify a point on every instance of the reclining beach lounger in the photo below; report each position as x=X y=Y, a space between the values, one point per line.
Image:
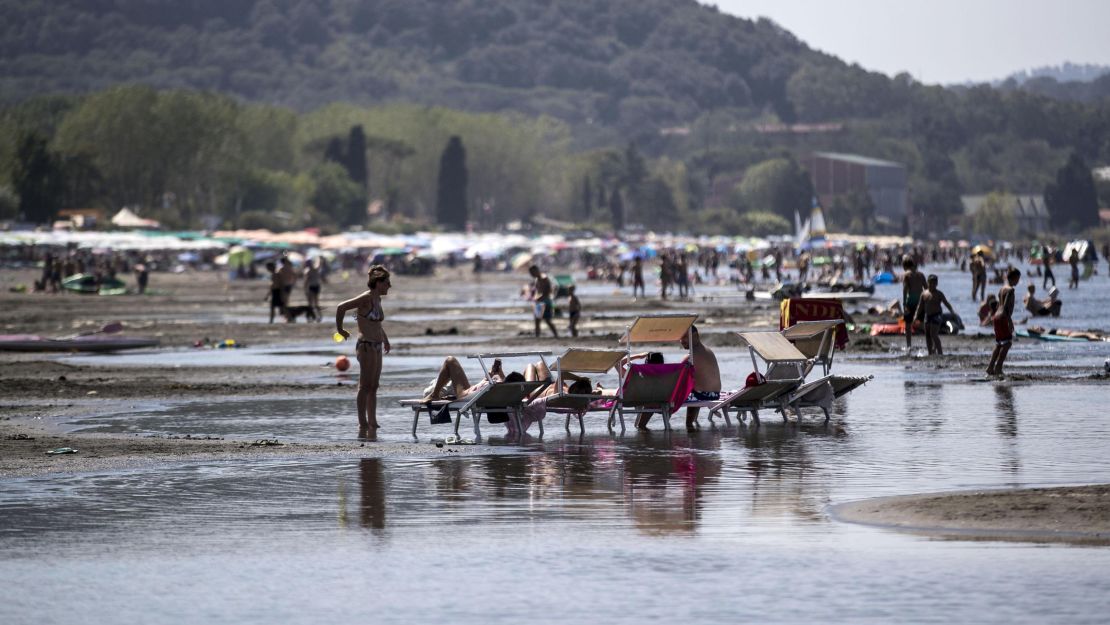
x=495 y=398
x=821 y=393
x=816 y=340
x=784 y=370
x=656 y=388
x=576 y=361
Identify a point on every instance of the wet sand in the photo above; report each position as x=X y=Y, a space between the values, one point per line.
x=1075 y=514
x=38 y=393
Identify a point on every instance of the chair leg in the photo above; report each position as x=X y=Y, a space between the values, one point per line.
x=458 y=421
x=581 y=423
x=476 y=418
x=541 y=427
x=566 y=424
x=415 y=418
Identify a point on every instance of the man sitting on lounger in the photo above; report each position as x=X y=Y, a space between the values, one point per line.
x=451 y=383
x=707 y=377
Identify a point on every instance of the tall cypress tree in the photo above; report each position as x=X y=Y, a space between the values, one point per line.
x=587 y=197
x=37 y=180
x=356 y=158
x=451 y=191
x=616 y=210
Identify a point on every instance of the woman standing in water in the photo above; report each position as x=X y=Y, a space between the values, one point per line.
x=372 y=343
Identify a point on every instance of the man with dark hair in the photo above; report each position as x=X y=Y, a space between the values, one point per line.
x=913 y=285
x=1004 y=322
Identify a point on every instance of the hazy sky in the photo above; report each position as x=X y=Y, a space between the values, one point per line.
x=944 y=41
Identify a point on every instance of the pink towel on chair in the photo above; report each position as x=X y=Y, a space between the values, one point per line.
x=685 y=379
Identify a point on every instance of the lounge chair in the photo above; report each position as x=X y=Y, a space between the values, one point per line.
x=656 y=388
x=496 y=398
x=784 y=369
x=815 y=339
x=822 y=392
x=574 y=360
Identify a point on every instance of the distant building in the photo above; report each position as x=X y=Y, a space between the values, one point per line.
x=843 y=174
x=1029 y=211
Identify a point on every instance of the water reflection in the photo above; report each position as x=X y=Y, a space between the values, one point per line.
x=371 y=479
x=1007 y=426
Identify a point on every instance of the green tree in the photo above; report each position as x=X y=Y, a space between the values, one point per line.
x=9 y=203
x=356 y=157
x=777 y=186
x=1072 y=200
x=995 y=217
x=451 y=190
x=337 y=196
x=616 y=210
x=37 y=180
x=586 y=207
x=762 y=224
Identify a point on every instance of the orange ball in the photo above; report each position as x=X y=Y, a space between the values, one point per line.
x=342 y=363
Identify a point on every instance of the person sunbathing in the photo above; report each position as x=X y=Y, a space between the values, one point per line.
x=452 y=378
x=535 y=408
x=1042 y=308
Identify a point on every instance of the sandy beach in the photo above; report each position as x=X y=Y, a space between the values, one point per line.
x=40 y=392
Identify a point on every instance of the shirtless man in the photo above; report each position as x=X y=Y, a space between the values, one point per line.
x=707 y=377
x=543 y=306
x=1004 y=323
x=638 y=277
x=913 y=285
x=929 y=312
x=978 y=277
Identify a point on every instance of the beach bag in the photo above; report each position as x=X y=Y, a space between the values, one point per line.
x=755 y=378
x=441 y=416
x=497 y=417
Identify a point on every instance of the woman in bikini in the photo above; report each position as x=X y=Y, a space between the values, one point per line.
x=372 y=343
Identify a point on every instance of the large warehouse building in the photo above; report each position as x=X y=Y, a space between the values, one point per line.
x=885 y=181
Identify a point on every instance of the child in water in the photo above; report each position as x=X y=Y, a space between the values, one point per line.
x=574 y=309
x=929 y=311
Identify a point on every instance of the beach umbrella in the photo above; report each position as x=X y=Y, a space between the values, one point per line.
x=984 y=250
x=521 y=260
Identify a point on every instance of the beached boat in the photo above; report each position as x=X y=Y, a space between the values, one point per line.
x=90 y=343
x=90 y=285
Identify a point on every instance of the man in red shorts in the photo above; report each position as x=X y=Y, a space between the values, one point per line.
x=1004 y=322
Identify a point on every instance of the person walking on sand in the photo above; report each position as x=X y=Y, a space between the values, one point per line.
x=638 y=277
x=371 y=346
x=913 y=285
x=312 y=281
x=542 y=306
x=574 y=311
x=1073 y=260
x=929 y=312
x=276 y=296
x=1004 y=322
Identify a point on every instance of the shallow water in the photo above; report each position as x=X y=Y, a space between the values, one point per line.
x=726 y=524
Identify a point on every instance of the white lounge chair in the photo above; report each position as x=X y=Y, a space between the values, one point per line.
x=784 y=369
x=822 y=392
x=591 y=361
x=642 y=393
x=495 y=398
x=815 y=339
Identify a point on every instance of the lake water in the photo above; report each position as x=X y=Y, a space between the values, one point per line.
x=724 y=525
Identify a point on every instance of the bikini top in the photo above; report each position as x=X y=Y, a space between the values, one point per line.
x=374 y=314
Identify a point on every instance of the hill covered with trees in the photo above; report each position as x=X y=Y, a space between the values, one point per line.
x=563 y=107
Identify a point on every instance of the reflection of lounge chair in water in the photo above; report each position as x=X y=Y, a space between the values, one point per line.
x=489 y=397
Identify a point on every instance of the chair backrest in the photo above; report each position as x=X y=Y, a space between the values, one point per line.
x=657 y=384
x=668 y=328
x=815 y=339
x=769 y=390
x=505 y=394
